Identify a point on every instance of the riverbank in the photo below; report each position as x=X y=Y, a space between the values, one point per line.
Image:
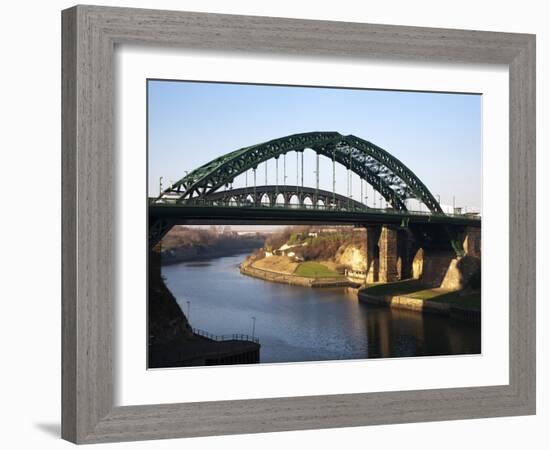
x=172 y=342
x=248 y=269
x=193 y=243
x=191 y=254
x=411 y=295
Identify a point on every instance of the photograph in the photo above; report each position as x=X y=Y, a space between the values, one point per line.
x=268 y=225
x=301 y=223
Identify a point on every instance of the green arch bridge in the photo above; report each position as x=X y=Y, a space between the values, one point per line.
x=206 y=195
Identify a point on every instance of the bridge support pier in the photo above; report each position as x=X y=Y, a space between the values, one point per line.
x=372 y=258
x=388 y=255
x=158 y=229
x=406 y=249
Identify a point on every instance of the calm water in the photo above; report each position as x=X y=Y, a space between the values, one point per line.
x=302 y=324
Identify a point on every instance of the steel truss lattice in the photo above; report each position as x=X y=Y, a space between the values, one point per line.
x=385 y=173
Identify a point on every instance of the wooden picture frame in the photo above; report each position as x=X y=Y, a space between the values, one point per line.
x=90 y=34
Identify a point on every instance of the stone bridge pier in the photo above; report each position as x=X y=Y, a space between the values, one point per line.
x=394 y=253
x=390 y=252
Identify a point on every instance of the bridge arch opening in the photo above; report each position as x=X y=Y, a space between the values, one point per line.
x=265 y=200
x=280 y=200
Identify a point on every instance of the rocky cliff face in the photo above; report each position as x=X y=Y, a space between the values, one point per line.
x=352 y=256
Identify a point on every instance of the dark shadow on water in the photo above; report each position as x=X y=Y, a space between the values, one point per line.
x=198 y=264
x=53 y=429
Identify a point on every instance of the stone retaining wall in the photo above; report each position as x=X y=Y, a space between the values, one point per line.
x=286 y=278
x=415 y=304
x=403 y=302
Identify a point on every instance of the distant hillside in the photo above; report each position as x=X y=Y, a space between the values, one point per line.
x=338 y=247
x=192 y=243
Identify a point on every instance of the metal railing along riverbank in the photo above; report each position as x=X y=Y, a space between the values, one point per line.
x=226 y=337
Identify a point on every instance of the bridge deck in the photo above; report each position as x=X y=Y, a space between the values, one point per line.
x=206 y=213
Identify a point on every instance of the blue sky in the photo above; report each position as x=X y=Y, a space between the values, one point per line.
x=438 y=136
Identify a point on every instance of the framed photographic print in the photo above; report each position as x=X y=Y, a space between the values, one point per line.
x=255 y=209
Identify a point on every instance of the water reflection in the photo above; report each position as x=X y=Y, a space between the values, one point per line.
x=304 y=324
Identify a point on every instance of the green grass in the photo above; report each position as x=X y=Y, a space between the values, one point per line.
x=414 y=289
x=471 y=300
x=312 y=269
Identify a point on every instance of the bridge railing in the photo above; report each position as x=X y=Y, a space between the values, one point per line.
x=346 y=208
x=226 y=337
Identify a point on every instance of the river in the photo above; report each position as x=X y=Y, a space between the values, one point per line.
x=297 y=323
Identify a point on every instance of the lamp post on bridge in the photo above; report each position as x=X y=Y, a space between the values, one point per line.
x=253 y=326
x=160 y=185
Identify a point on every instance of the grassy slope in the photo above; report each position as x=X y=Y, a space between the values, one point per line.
x=314 y=270
x=280 y=264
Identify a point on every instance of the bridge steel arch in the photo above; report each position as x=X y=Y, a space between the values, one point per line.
x=389 y=176
x=240 y=195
